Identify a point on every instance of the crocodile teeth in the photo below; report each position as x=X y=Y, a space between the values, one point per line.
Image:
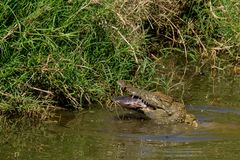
x=140 y=99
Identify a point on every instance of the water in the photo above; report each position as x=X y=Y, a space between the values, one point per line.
x=104 y=134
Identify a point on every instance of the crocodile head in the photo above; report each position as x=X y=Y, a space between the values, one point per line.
x=155 y=105
x=155 y=100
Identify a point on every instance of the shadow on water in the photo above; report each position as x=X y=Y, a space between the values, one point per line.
x=102 y=134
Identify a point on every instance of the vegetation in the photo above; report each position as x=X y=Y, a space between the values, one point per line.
x=70 y=53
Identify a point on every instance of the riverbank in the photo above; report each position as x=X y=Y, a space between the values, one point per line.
x=71 y=53
x=121 y=134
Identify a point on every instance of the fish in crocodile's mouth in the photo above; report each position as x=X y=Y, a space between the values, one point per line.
x=131 y=102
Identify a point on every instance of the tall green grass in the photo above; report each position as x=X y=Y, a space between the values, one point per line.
x=64 y=53
x=205 y=34
x=70 y=53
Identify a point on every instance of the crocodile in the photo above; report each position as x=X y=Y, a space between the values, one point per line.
x=161 y=108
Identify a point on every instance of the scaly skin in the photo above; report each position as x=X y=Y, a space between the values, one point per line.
x=161 y=108
x=154 y=99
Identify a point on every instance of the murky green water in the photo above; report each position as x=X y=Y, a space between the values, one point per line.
x=100 y=134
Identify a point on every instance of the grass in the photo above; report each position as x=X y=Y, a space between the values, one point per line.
x=206 y=33
x=71 y=53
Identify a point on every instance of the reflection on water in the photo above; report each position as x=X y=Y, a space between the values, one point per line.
x=101 y=134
